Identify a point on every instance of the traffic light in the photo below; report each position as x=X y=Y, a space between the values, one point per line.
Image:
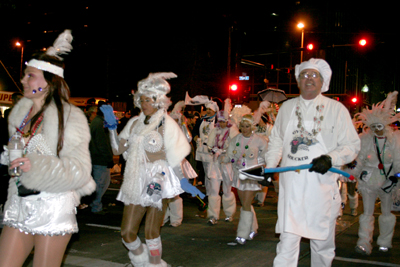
x=233 y=87
x=354 y=100
x=362 y=42
x=310 y=47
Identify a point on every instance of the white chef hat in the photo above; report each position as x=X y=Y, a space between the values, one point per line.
x=212 y=105
x=156 y=87
x=317 y=64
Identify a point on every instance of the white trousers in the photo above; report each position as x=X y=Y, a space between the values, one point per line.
x=322 y=251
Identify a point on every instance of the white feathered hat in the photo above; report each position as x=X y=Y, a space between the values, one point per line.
x=61 y=46
x=156 y=87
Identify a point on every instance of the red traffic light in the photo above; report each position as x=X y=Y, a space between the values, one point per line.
x=233 y=87
x=310 y=47
x=362 y=42
x=354 y=100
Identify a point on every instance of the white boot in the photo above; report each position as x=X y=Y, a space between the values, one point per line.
x=365 y=234
x=176 y=211
x=214 y=208
x=244 y=226
x=386 y=231
x=353 y=203
x=229 y=206
x=140 y=260
x=155 y=253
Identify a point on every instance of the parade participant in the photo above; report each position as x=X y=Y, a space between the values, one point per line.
x=313 y=129
x=376 y=165
x=244 y=151
x=41 y=206
x=264 y=128
x=200 y=136
x=154 y=147
x=174 y=211
x=220 y=170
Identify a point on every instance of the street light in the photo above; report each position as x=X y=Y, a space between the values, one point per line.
x=301 y=26
x=22 y=57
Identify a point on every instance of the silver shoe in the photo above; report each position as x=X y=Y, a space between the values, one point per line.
x=241 y=240
x=362 y=250
x=383 y=249
x=353 y=212
x=228 y=219
x=252 y=235
x=212 y=221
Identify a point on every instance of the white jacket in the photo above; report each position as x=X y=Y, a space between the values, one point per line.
x=71 y=171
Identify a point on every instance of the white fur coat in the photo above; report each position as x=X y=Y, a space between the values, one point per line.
x=72 y=169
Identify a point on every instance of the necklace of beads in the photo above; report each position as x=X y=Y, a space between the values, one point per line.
x=318 y=118
x=243 y=149
x=222 y=141
x=30 y=133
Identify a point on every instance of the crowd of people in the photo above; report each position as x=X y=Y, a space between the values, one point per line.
x=68 y=155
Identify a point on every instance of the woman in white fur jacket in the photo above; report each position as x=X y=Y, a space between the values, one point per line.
x=153 y=145
x=55 y=168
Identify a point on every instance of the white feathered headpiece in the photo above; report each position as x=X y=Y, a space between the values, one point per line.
x=61 y=46
x=238 y=112
x=379 y=113
x=156 y=87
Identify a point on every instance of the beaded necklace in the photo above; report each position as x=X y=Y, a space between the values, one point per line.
x=243 y=149
x=318 y=118
x=30 y=133
x=222 y=141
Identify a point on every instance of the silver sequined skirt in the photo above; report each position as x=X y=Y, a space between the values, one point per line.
x=43 y=214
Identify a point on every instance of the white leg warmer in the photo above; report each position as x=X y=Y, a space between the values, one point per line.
x=176 y=211
x=245 y=223
x=229 y=204
x=155 y=253
x=365 y=232
x=386 y=230
x=214 y=206
x=140 y=260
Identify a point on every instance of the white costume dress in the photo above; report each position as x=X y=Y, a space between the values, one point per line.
x=61 y=180
x=370 y=185
x=309 y=202
x=154 y=148
x=245 y=152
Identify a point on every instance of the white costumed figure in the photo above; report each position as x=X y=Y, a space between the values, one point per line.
x=264 y=128
x=220 y=169
x=312 y=129
x=201 y=134
x=55 y=164
x=245 y=150
x=154 y=146
x=376 y=166
x=174 y=212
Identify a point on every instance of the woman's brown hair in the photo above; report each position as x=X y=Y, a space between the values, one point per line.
x=58 y=91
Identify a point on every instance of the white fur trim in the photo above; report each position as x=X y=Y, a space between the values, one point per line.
x=72 y=169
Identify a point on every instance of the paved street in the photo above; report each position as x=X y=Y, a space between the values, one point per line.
x=195 y=244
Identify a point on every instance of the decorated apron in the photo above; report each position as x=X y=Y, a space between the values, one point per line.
x=307 y=200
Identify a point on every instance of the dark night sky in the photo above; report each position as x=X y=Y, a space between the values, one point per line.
x=123 y=43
